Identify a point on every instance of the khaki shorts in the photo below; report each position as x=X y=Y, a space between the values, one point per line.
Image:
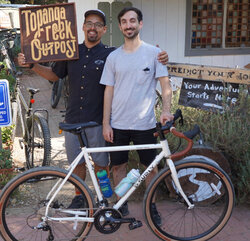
x=94 y=138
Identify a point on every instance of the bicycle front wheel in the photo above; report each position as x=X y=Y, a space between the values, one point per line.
x=207 y=187
x=24 y=200
x=39 y=143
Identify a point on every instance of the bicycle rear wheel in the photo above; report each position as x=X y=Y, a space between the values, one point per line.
x=207 y=187
x=56 y=92
x=42 y=142
x=23 y=203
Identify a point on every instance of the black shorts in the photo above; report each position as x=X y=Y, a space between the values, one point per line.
x=124 y=137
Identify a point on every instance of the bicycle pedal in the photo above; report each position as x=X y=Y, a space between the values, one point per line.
x=135 y=224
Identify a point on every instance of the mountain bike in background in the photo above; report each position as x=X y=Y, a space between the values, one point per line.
x=36 y=139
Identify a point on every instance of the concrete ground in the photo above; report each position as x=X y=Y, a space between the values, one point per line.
x=237 y=229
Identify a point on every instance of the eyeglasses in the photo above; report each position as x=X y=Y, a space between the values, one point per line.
x=97 y=25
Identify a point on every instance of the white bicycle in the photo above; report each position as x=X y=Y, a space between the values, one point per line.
x=194 y=197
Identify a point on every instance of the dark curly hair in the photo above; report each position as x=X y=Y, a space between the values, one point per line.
x=127 y=9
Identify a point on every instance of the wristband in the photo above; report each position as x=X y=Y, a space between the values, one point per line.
x=31 y=66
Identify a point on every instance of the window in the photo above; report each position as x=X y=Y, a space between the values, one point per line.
x=217 y=27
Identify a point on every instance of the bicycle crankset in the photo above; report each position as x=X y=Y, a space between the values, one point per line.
x=109 y=220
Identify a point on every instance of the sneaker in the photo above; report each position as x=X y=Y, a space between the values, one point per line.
x=155 y=214
x=124 y=209
x=77 y=202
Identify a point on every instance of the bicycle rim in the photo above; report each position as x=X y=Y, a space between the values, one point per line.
x=206 y=186
x=42 y=142
x=24 y=201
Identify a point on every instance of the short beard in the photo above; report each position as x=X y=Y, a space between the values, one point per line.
x=93 y=40
x=132 y=36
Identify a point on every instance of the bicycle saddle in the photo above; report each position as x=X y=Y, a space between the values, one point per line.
x=75 y=128
x=33 y=91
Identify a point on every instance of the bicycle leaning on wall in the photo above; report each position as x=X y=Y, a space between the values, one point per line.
x=194 y=196
x=35 y=130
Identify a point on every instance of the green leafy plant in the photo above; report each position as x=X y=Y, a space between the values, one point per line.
x=5 y=178
x=6 y=167
x=6 y=135
x=5 y=75
x=6 y=160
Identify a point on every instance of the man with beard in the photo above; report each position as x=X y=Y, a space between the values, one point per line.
x=85 y=101
x=130 y=75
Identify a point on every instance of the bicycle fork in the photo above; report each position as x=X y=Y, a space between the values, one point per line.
x=174 y=175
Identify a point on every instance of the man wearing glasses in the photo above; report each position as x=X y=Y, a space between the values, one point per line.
x=85 y=101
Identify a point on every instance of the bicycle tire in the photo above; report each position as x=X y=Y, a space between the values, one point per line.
x=56 y=92
x=66 y=91
x=158 y=99
x=23 y=202
x=42 y=142
x=206 y=185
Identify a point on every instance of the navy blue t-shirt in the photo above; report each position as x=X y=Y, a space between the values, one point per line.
x=86 y=94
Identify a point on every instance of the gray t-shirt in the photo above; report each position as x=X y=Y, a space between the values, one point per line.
x=134 y=77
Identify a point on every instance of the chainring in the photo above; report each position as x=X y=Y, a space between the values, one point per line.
x=104 y=220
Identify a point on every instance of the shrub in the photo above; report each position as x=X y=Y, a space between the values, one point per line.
x=5 y=75
x=6 y=164
x=5 y=159
x=7 y=134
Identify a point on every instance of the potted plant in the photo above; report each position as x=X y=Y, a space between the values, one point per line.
x=6 y=167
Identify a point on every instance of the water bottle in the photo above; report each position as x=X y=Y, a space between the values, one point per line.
x=127 y=182
x=104 y=183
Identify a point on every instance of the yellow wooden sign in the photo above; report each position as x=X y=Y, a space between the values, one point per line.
x=209 y=73
x=49 y=32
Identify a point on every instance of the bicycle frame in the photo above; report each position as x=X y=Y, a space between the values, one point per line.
x=17 y=102
x=19 y=98
x=165 y=153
